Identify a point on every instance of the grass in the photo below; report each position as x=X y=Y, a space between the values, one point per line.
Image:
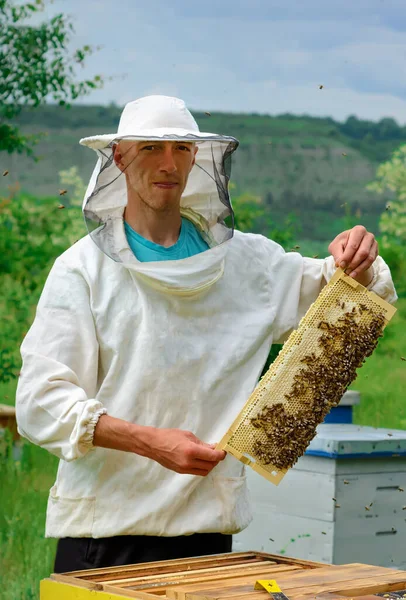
x=27 y=557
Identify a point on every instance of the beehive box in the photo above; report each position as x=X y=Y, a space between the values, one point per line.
x=344 y=500
x=146 y=581
x=226 y=576
x=308 y=378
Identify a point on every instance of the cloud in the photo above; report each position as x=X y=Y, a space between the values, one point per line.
x=256 y=56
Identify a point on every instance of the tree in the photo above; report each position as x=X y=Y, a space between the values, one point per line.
x=35 y=66
x=391 y=175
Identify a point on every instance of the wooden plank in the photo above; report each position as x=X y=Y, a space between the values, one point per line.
x=232 y=569
x=57 y=590
x=322 y=579
x=197 y=576
x=357 y=587
x=172 y=566
x=199 y=583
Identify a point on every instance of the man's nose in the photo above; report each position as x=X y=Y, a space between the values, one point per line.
x=168 y=161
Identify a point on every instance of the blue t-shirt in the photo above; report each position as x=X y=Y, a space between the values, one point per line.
x=189 y=243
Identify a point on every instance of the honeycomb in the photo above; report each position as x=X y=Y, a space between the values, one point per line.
x=308 y=378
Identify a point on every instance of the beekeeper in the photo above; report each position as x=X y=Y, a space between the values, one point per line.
x=150 y=335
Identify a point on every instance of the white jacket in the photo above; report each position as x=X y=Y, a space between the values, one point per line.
x=173 y=344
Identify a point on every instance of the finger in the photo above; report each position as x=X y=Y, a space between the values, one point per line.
x=200 y=472
x=355 y=238
x=365 y=253
x=204 y=452
x=204 y=465
x=367 y=263
x=214 y=446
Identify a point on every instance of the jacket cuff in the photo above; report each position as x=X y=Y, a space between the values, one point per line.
x=85 y=443
x=381 y=283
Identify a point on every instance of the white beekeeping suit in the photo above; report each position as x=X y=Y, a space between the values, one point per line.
x=173 y=344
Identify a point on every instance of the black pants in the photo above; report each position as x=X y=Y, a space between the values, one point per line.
x=75 y=554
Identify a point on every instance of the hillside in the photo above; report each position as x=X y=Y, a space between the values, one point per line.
x=305 y=165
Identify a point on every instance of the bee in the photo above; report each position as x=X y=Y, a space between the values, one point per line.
x=63 y=192
x=271 y=540
x=5 y=173
x=334 y=499
x=60 y=206
x=403 y=507
x=342 y=205
x=315 y=256
x=367 y=508
x=338 y=505
x=344 y=153
x=403 y=358
x=401 y=489
x=390 y=434
x=321 y=86
x=345 y=482
x=207 y=113
x=324 y=533
x=387 y=207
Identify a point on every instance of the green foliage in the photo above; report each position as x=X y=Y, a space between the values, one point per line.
x=35 y=66
x=391 y=175
x=33 y=232
x=25 y=555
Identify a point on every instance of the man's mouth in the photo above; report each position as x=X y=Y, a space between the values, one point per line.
x=165 y=185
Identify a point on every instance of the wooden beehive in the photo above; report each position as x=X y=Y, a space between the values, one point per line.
x=226 y=576
x=315 y=366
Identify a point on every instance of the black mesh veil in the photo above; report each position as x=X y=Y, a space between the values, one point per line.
x=205 y=200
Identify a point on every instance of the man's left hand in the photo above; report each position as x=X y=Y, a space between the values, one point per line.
x=354 y=251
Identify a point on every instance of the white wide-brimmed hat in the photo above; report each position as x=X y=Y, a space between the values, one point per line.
x=152 y=118
x=205 y=199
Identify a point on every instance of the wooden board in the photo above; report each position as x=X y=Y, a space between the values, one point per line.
x=344 y=580
x=149 y=580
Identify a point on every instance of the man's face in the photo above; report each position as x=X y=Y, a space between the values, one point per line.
x=156 y=171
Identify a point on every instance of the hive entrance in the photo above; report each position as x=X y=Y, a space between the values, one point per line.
x=308 y=378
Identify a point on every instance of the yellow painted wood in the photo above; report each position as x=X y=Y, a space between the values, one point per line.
x=54 y=590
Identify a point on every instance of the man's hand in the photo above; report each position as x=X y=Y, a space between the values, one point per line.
x=175 y=449
x=354 y=251
x=183 y=452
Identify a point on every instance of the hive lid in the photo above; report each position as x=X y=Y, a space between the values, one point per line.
x=345 y=440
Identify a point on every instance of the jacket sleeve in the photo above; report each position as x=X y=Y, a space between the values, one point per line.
x=297 y=281
x=55 y=403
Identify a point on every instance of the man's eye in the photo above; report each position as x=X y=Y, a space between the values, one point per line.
x=181 y=147
x=148 y=148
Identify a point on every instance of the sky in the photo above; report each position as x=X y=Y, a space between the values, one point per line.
x=251 y=56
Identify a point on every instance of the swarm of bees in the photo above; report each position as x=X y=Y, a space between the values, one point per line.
x=318 y=385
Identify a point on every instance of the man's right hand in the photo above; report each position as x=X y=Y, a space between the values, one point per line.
x=175 y=449
x=182 y=452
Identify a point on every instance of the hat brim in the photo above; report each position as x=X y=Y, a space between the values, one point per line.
x=98 y=142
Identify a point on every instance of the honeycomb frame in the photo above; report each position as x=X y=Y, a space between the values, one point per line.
x=343 y=301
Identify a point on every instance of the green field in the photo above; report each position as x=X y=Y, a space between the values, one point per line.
x=26 y=557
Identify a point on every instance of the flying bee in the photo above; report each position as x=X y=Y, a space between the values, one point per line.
x=207 y=113
x=345 y=482
x=321 y=86
x=315 y=256
x=343 y=153
x=60 y=206
x=402 y=358
x=367 y=508
x=400 y=489
x=5 y=173
x=63 y=192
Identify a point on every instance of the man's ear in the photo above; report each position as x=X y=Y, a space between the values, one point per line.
x=194 y=157
x=117 y=156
